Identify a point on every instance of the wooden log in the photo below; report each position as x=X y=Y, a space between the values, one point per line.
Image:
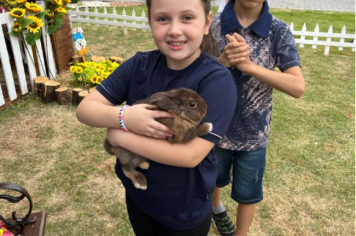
x=39 y=85
x=62 y=95
x=82 y=95
x=77 y=59
x=48 y=94
x=116 y=59
x=75 y=97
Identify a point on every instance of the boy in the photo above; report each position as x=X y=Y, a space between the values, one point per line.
x=243 y=25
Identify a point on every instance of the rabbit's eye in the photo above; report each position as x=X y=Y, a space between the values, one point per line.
x=192 y=104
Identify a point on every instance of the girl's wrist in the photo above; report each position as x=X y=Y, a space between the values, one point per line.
x=121 y=117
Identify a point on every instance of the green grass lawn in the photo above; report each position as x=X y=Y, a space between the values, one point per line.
x=309 y=183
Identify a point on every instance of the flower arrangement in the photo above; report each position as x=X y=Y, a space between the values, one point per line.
x=90 y=74
x=28 y=18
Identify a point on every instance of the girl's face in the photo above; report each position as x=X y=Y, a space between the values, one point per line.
x=178 y=27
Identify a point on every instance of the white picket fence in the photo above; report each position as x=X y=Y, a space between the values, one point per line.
x=23 y=56
x=84 y=16
x=350 y=38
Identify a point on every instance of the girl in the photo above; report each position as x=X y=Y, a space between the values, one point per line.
x=181 y=177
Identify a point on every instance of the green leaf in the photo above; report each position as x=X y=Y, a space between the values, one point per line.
x=89 y=72
x=41 y=14
x=32 y=37
x=17 y=34
x=59 y=16
x=51 y=29
x=25 y=22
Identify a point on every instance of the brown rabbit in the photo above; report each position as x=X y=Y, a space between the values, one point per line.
x=188 y=109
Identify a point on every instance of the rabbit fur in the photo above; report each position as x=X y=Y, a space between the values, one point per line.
x=188 y=109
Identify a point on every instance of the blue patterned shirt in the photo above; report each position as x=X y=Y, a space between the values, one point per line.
x=271 y=46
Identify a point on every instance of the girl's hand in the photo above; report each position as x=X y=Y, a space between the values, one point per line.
x=236 y=52
x=140 y=119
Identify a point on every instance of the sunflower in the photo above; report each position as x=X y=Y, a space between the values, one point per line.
x=12 y=3
x=99 y=71
x=106 y=74
x=72 y=68
x=78 y=70
x=33 y=7
x=21 y=1
x=60 y=9
x=17 y=12
x=58 y=2
x=67 y=1
x=49 y=13
x=110 y=69
x=17 y=27
x=99 y=79
x=94 y=79
x=35 y=26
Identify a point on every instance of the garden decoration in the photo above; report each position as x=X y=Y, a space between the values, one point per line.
x=29 y=18
x=16 y=221
x=89 y=74
x=80 y=43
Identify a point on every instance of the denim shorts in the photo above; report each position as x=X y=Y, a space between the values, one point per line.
x=247 y=173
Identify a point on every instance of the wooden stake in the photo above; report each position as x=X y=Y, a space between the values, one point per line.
x=75 y=97
x=48 y=94
x=82 y=95
x=39 y=85
x=62 y=94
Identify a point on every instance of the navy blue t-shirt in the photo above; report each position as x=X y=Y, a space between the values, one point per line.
x=177 y=197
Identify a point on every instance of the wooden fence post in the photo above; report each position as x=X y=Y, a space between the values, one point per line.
x=328 y=40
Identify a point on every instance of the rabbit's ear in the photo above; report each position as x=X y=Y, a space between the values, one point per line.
x=161 y=100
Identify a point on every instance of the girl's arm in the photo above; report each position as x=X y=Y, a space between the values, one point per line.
x=187 y=155
x=291 y=81
x=95 y=110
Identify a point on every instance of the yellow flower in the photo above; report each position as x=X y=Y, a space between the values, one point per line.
x=17 y=27
x=49 y=13
x=99 y=71
x=72 y=69
x=110 y=69
x=60 y=9
x=67 y=1
x=35 y=26
x=115 y=65
x=99 y=80
x=94 y=79
x=12 y=3
x=78 y=70
x=106 y=74
x=17 y=12
x=33 y=7
x=58 y=2
x=21 y=1
x=80 y=79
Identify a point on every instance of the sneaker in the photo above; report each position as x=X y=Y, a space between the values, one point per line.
x=223 y=224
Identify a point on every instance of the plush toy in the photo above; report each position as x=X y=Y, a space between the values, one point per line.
x=80 y=43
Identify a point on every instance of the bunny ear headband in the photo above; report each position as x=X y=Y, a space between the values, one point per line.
x=77 y=35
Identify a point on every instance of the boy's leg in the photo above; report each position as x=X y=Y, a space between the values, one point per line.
x=222 y=222
x=245 y=213
x=248 y=170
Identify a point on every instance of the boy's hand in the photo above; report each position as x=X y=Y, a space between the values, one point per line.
x=140 y=119
x=236 y=52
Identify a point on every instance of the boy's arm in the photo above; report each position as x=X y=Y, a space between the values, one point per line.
x=187 y=155
x=291 y=81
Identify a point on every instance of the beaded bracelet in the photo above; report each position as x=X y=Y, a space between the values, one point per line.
x=121 y=118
